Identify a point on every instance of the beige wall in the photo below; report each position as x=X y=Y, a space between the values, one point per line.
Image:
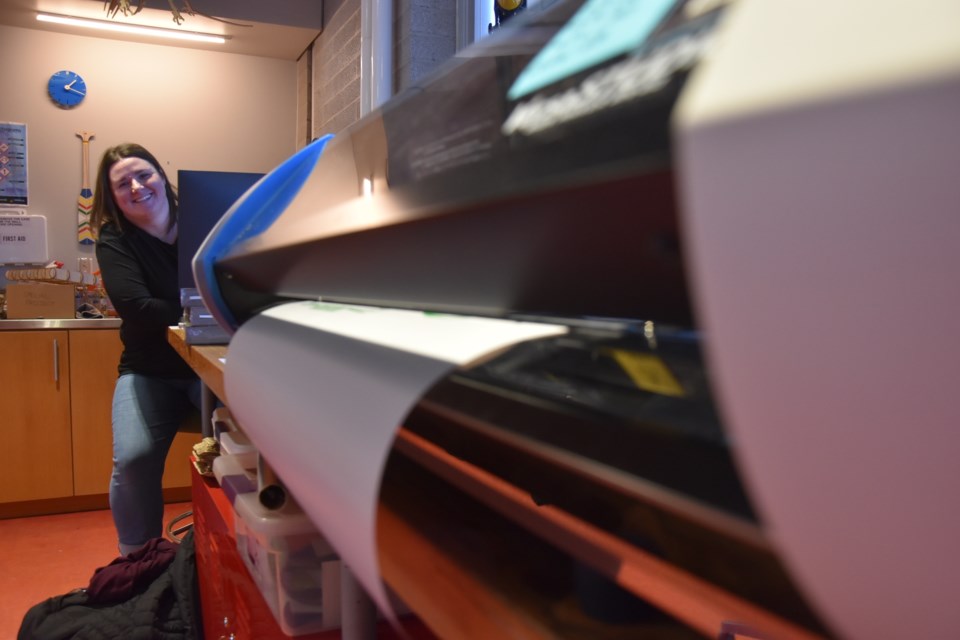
x=193 y=109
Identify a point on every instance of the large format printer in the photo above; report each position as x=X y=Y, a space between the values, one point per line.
x=742 y=216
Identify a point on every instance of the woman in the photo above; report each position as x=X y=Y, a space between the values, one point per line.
x=135 y=218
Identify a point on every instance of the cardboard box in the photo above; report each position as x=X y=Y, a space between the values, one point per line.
x=40 y=300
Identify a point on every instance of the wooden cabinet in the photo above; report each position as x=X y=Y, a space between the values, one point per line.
x=95 y=354
x=56 y=422
x=35 y=416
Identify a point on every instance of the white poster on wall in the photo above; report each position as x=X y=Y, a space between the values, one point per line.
x=13 y=164
x=23 y=238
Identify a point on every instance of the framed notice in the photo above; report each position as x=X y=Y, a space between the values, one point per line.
x=13 y=164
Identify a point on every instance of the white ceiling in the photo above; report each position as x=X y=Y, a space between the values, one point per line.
x=278 y=28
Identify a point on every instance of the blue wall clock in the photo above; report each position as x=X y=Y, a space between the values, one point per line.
x=67 y=89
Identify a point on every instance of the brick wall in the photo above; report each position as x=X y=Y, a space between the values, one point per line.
x=336 y=68
x=424 y=37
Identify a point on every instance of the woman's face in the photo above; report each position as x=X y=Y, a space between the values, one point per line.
x=139 y=190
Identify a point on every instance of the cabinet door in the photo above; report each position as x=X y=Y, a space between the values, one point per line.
x=95 y=354
x=35 y=416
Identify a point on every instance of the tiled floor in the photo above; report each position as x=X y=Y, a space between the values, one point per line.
x=45 y=556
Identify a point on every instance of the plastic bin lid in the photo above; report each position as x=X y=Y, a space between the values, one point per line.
x=264 y=523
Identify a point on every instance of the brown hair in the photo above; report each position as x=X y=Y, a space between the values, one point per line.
x=105 y=209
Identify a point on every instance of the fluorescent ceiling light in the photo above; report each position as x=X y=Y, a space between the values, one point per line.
x=131 y=28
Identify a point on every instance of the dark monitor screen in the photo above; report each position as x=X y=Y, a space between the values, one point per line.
x=204 y=197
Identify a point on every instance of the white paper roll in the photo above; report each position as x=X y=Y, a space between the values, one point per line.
x=321 y=389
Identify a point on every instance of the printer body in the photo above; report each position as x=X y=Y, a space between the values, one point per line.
x=744 y=222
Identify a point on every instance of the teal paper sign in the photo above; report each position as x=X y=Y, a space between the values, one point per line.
x=600 y=30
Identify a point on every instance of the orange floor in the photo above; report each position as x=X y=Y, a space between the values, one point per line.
x=45 y=556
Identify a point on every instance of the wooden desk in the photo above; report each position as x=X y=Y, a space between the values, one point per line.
x=232 y=603
x=205 y=360
x=475 y=557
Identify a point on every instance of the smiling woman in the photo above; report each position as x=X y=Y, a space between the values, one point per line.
x=135 y=215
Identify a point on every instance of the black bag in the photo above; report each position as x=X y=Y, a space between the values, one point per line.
x=168 y=608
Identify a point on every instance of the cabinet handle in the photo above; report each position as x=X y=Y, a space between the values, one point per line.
x=56 y=361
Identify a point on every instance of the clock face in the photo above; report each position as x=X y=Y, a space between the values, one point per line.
x=67 y=89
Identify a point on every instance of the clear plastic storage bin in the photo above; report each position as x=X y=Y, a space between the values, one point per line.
x=295 y=568
x=236 y=474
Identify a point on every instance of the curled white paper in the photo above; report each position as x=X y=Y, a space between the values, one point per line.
x=321 y=389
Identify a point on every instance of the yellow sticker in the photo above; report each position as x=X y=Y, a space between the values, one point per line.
x=648 y=372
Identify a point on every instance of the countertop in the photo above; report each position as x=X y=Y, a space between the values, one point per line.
x=59 y=323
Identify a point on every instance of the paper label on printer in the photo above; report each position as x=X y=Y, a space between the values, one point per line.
x=648 y=372
x=675 y=47
x=600 y=30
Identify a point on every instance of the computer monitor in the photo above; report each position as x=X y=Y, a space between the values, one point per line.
x=204 y=197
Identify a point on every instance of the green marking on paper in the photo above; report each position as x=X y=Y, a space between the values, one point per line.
x=600 y=30
x=333 y=306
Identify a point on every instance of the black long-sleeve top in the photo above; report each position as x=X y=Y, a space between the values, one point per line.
x=139 y=274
